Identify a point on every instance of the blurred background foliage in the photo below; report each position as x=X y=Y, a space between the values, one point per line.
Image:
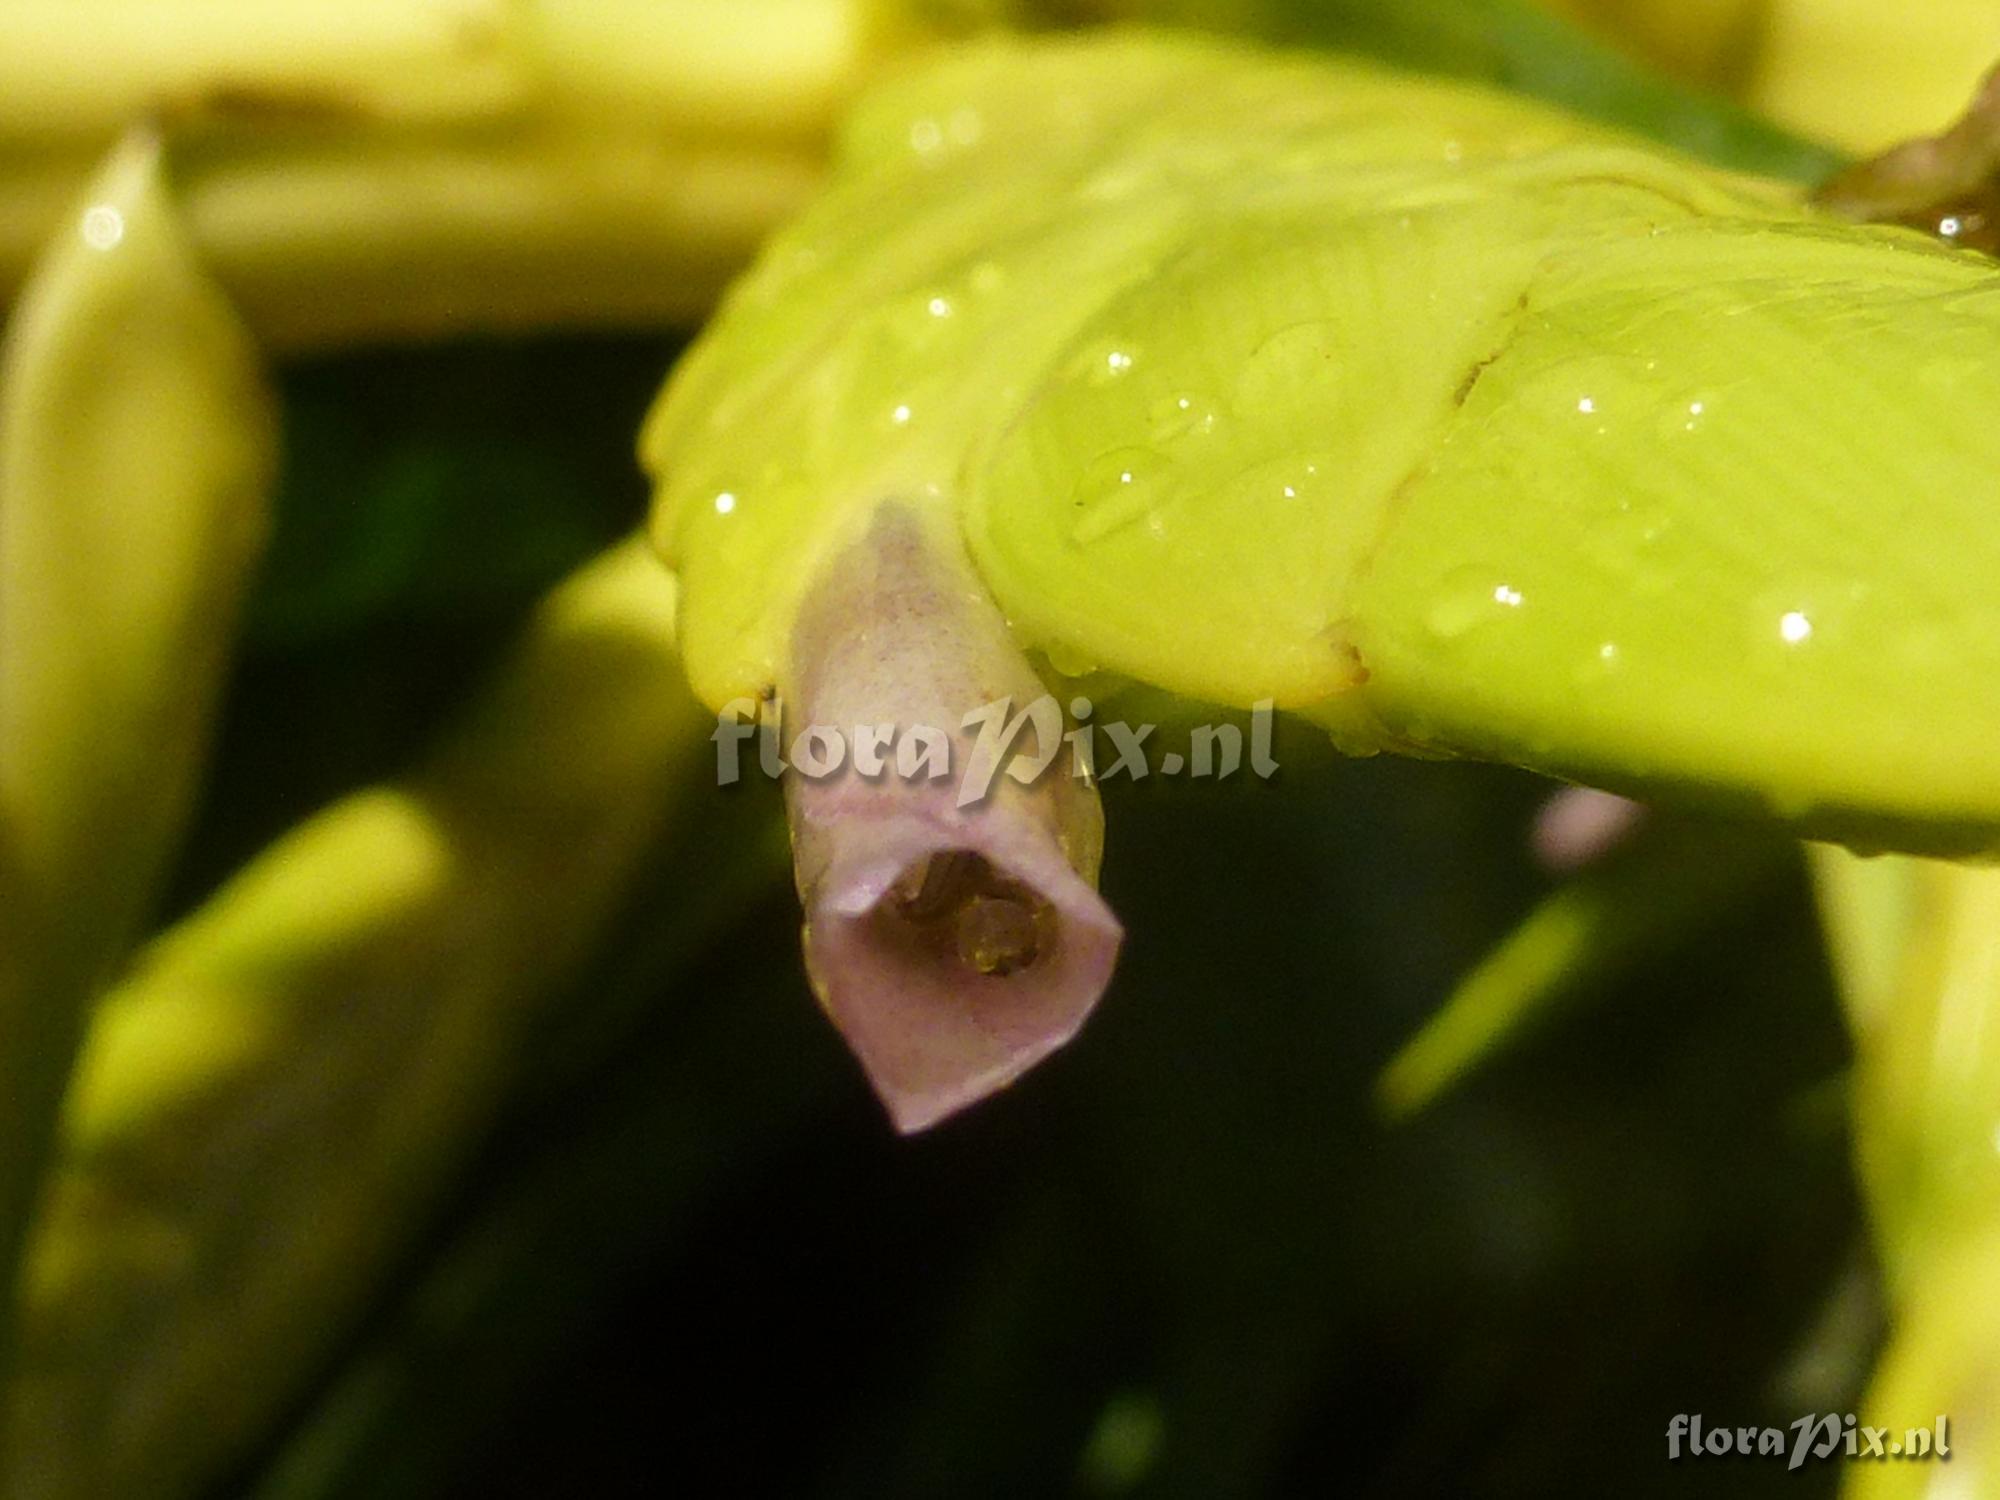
x=1187 y=1258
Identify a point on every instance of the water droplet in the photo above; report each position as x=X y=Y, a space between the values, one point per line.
x=1684 y=414
x=1471 y=597
x=1586 y=405
x=939 y=307
x=1068 y=662
x=1602 y=663
x=899 y=415
x=1182 y=415
x=725 y=503
x=1104 y=362
x=925 y=136
x=1794 y=623
x=103 y=226
x=1118 y=490
x=1291 y=364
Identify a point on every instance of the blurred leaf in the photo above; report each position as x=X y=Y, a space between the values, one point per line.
x=1641 y=901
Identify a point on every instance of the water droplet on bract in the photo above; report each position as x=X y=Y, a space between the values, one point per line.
x=103 y=226
x=1118 y=489
x=1105 y=362
x=1066 y=661
x=1470 y=598
x=1795 y=622
x=1685 y=414
x=1182 y=415
x=1604 y=662
x=1284 y=370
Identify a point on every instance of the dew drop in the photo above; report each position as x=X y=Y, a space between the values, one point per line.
x=1291 y=364
x=1115 y=491
x=1182 y=415
x=1469 y=598
x=1794 y=623
x=1604 y=662
x=1068 y=662
x=103 y=226
x=1105 y=363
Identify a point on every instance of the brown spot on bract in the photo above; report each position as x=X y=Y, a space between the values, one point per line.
x=1340 y=639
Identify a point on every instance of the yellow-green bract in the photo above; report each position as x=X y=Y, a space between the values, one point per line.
x=1455 y=423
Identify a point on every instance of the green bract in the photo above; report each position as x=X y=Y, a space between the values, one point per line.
x=1453 y=422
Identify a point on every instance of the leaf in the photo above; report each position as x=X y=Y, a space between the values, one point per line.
x=137 y=445
x=1589 y=935
x=367 y=981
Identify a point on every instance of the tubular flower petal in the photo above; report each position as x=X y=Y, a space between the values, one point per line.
x=953 y=931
